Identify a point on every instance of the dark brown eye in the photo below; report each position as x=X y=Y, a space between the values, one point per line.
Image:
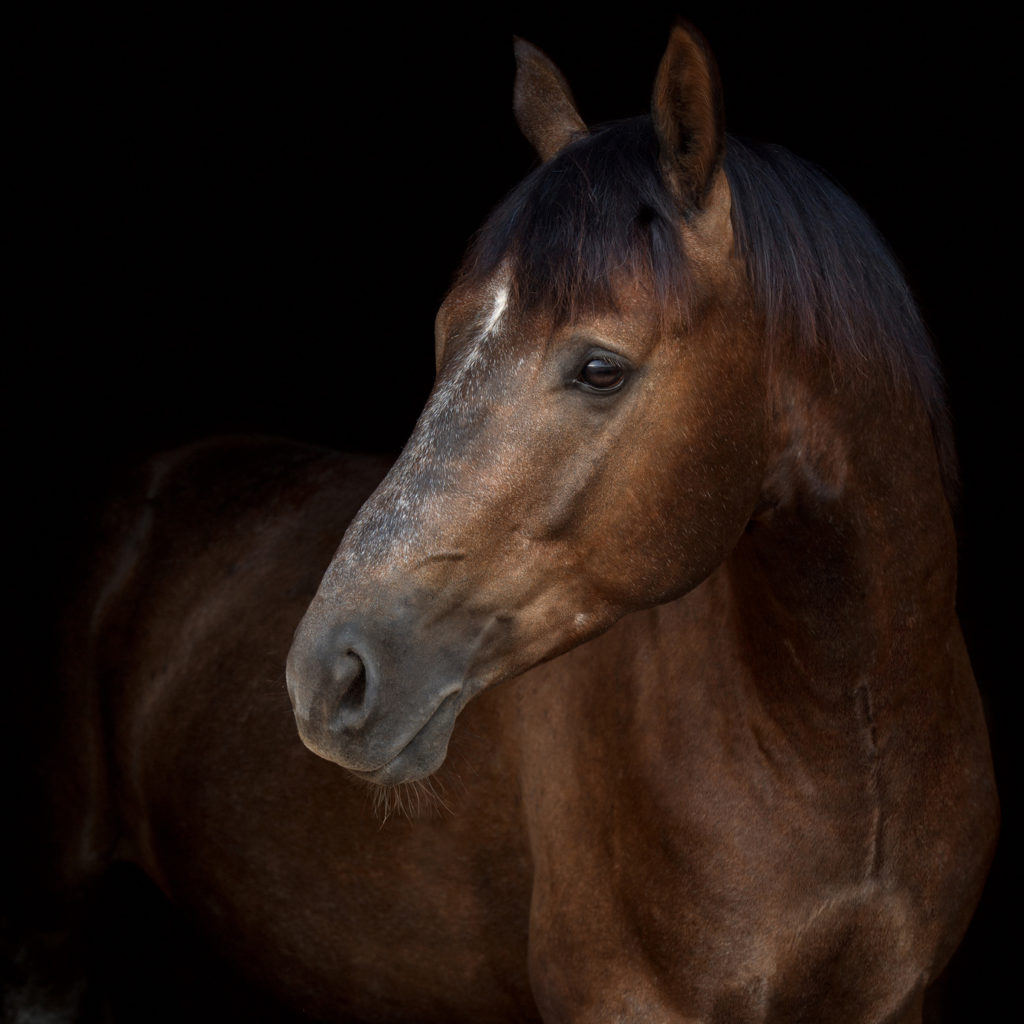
x=602 y=374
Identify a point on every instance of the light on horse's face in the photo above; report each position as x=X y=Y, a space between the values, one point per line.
x=474 y=561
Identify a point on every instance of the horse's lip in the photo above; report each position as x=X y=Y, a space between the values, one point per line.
x=385 y=773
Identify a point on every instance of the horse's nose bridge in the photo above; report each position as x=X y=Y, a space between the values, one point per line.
x=418 y=540
x=453 y=484
x=404 y=514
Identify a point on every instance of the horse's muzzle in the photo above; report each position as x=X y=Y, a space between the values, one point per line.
x=369 y=706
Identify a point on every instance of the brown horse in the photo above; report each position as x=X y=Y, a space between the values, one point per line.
x=684 y=472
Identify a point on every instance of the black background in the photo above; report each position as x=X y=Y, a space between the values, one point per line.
x=245 y=221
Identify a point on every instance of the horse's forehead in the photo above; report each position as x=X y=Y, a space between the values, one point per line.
x=487 y=317
x=479 y=327
x=479 y=339
x=477 y=312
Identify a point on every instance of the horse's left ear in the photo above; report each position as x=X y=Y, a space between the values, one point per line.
x=543 y=103
x=688 y=116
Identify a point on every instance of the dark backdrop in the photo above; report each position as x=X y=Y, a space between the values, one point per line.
x=245 y=222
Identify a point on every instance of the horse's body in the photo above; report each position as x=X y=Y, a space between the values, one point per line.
x=743 y=775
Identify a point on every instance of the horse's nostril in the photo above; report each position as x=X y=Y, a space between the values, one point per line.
x=350 y=676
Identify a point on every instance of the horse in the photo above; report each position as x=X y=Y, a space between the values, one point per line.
x=635 y=690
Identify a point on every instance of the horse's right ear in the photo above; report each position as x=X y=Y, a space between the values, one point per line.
x=543 y=103
x=688 y=119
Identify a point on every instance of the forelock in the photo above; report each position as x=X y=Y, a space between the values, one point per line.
x=593 y=217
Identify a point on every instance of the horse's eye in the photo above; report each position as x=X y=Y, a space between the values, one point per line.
x=602 y=374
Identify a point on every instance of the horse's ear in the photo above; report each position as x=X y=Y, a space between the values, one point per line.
x=688 y=118
x=543 y=104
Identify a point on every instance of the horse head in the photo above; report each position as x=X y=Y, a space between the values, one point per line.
x=593 y=444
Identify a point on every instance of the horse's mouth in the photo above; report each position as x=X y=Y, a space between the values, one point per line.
x=423 y=754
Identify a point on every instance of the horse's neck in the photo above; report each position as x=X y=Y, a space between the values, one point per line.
x=843 y=587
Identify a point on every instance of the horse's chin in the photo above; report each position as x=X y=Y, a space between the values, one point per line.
x=416 y=759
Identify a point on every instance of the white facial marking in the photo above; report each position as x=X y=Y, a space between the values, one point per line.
x=498 y=309
x=474 y=355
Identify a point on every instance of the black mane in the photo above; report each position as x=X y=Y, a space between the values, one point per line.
x=822 y=276
x=597 y=209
